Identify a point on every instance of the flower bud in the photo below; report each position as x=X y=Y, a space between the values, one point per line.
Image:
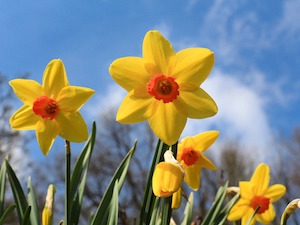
x=47 y=215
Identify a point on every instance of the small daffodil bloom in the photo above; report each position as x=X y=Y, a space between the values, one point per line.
x=167 y=177
x=257 y=193
x=163 y=86
x=51 y=108
x=191 y=157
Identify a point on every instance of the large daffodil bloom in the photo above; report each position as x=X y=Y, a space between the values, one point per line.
x=163 y=86
x=51 y=108
x=255 y=193
x=191 y=157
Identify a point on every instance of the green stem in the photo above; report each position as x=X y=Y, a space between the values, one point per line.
x=167 y=202
x=67 y=184
x=149 y=197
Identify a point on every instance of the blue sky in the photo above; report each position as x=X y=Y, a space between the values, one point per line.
x=255 y=81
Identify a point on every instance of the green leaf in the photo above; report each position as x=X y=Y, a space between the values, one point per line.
x=216 y=207
x=154 y=217
x=35 y=214
x=18 y=193
x=188 y=211
x=101 y=214
x=252 y=216
x=79 y=176
x=6 y=213
x=149 y=197
x=114 y=206
x=26 y=217
x=225 y=211
x=2 y=187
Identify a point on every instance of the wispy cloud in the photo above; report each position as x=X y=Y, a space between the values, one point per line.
x=111 y=99
x=240 y=34
x=289 y=23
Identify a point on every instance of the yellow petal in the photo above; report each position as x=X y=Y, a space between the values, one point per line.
x=27 y=90
x=159 y=52
x=193 y=65
x=167 y=179
x=73 y=127
x=268 y=216
x=72 y=98
x=261 y=179
x=204 y=140
x=275 y=192
x=196 y=104
x=204 y=162
x=129 y=72
x=238 y=210
x=176 y=199
x=46 y=132
x=246 y=190
x=167 y=123
x=135 y=110
x=54 y=78
x=24 y=119
x=192 y=175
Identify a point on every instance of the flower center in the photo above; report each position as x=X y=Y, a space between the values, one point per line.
x=189 y=156
x=261 y=201
x=163 y=88
x=45 y=107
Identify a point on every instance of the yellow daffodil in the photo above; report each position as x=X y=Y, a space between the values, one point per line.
x=163 y=86
x=51 y=108
x=191 y=157
x=257 y=193
x=167 y=177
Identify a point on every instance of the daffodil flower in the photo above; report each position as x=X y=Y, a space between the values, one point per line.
x=257 y=193
x=191 y=157
x=51 y=108
x=167 y=177
x=163 y=86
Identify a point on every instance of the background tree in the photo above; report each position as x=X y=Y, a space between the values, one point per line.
x=285 y=168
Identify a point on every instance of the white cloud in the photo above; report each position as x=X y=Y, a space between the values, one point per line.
x=112 y=98
x=272 y=92
x=242 y=116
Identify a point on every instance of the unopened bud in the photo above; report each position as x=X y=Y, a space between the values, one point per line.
x=47 y=215
x=290 y=208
